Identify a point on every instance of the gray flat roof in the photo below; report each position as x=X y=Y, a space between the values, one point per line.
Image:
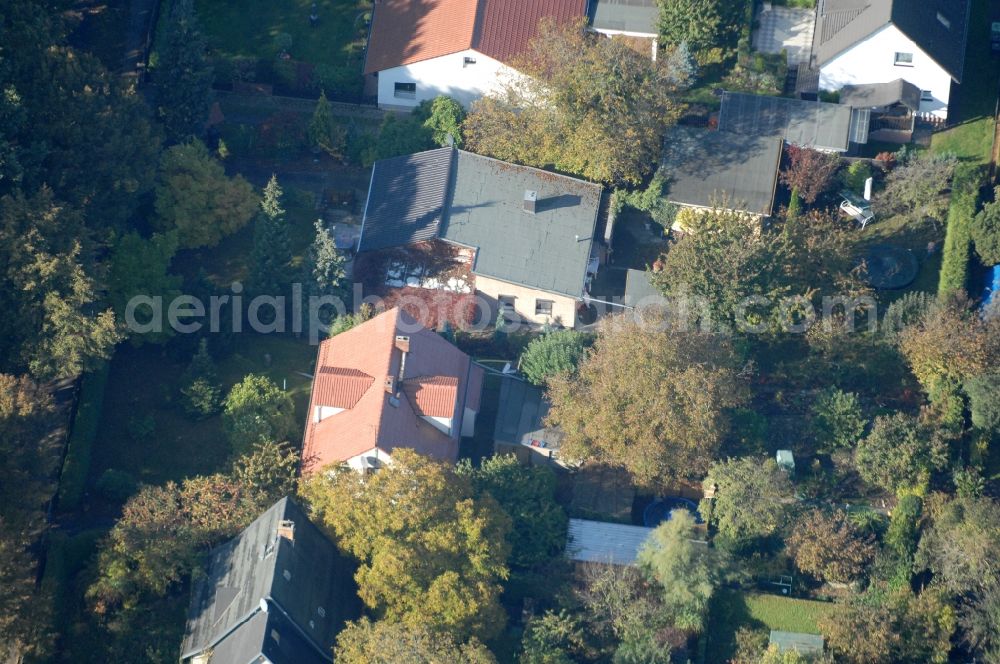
x=549 y=249
x=705 y=168
x=607 y=543
x=639 y=291
x=810 y=124
x=478 y=202
x=639 y=16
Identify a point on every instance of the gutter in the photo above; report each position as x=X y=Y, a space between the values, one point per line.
x=364 y=215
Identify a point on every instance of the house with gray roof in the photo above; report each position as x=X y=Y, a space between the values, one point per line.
x=862 y=42
x=278 y=592
x=530 y=233
x=629 y=18
x=809 y=124
x=884 y=111
x=705 y=169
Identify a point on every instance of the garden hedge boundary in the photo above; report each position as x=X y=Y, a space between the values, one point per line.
x=76 y=467
x=958 y=239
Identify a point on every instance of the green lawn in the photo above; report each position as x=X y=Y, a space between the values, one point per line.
x=143 y=386
x=248 y=28
x=733 y=609
x=974 y=101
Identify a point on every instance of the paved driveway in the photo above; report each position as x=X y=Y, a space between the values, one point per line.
x=785 y=28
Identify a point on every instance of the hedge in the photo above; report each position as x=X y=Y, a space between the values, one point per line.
x=76 y=467
x=958 y=240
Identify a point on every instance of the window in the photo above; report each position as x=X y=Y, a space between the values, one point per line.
x=903 y=59
x=466 y=61
x=543 y=307
x=506 y=304
x=405 y=91
x=926 y=95
x=321 y=611
x=943 y=20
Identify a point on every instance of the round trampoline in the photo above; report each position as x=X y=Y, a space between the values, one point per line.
x=890 y=267
x=659 y=511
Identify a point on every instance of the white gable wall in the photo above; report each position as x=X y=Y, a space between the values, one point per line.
x=446 y=75
x=369 y=459
x=873 y=61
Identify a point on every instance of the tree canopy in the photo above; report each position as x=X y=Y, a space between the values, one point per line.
x=435 y=555
x=829 y=547
x=594 y=107
x=898 y=453
x=258 y=411
x=194 y=196
x=749 y=495
x=182 y=74
x=384 y=642
x=553 y=353
x=650 y=398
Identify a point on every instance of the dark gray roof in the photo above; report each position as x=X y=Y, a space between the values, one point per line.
x=641 y=16
x=639 y=290
x=522 y=409
x=881 y=95
x=406 y=199
x=812 y=124
x=705 y=168
x=483 y=209
x=841 y=24
x=260 y=584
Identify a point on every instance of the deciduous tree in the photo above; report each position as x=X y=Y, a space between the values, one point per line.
x=748 y=498
x=434 y=557
x=194 y=196
x=810 y=172
x=385 y=642
x=898 y=453
x=142 y=267
x=552 y=638
x=917 y=189
x=594 y=107
x=444 y=120
x=682 y=569
x=527 y=495
x=959 y=544
x=258 y=411
x=985 y=231
x=827 y=546
x=649 y=398
x=553 y=353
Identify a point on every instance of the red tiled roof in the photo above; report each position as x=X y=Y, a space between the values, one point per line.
x=433 y=396
x=507 y=26
x=340 y=387
x=439 y=381
x=408 y=31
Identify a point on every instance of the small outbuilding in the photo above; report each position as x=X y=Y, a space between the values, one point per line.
x=604 y=543
x=785 y=460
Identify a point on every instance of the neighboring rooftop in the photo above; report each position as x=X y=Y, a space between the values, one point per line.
x=606 y=543
x=804 y=644
x=639 y=290
x=521 y=415
x=636 y=17
x=840 y=24
x=408 y=31
x=881 y=95
x=353 y=410
x=705 y=168
x=811 y=124
x=483 y=207
x=278 y=589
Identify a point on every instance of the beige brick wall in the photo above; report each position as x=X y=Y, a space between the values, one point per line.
x=563 y=307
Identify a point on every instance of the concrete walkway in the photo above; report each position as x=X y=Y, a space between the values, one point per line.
x=788 y=29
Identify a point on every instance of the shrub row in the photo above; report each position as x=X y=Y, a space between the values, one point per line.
x=76 y=467
x=958 y=240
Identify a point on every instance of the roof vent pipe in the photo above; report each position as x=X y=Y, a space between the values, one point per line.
x=530 y=199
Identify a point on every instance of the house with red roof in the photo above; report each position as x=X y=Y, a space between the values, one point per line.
x=385 y=384
x=419 y=49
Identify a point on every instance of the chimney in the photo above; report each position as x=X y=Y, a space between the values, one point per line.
x=530 y=198
x=286 y=529
x=390 y=384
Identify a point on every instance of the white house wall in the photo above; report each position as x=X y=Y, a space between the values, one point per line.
x=873 y=61
x=360 y=464
x=320 y=413
x=445 y=75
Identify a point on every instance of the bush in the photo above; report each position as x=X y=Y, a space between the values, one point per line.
x=553 y=353
x=116 y=485
x=853 y=177
x=76 y=467
x=958 y=237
